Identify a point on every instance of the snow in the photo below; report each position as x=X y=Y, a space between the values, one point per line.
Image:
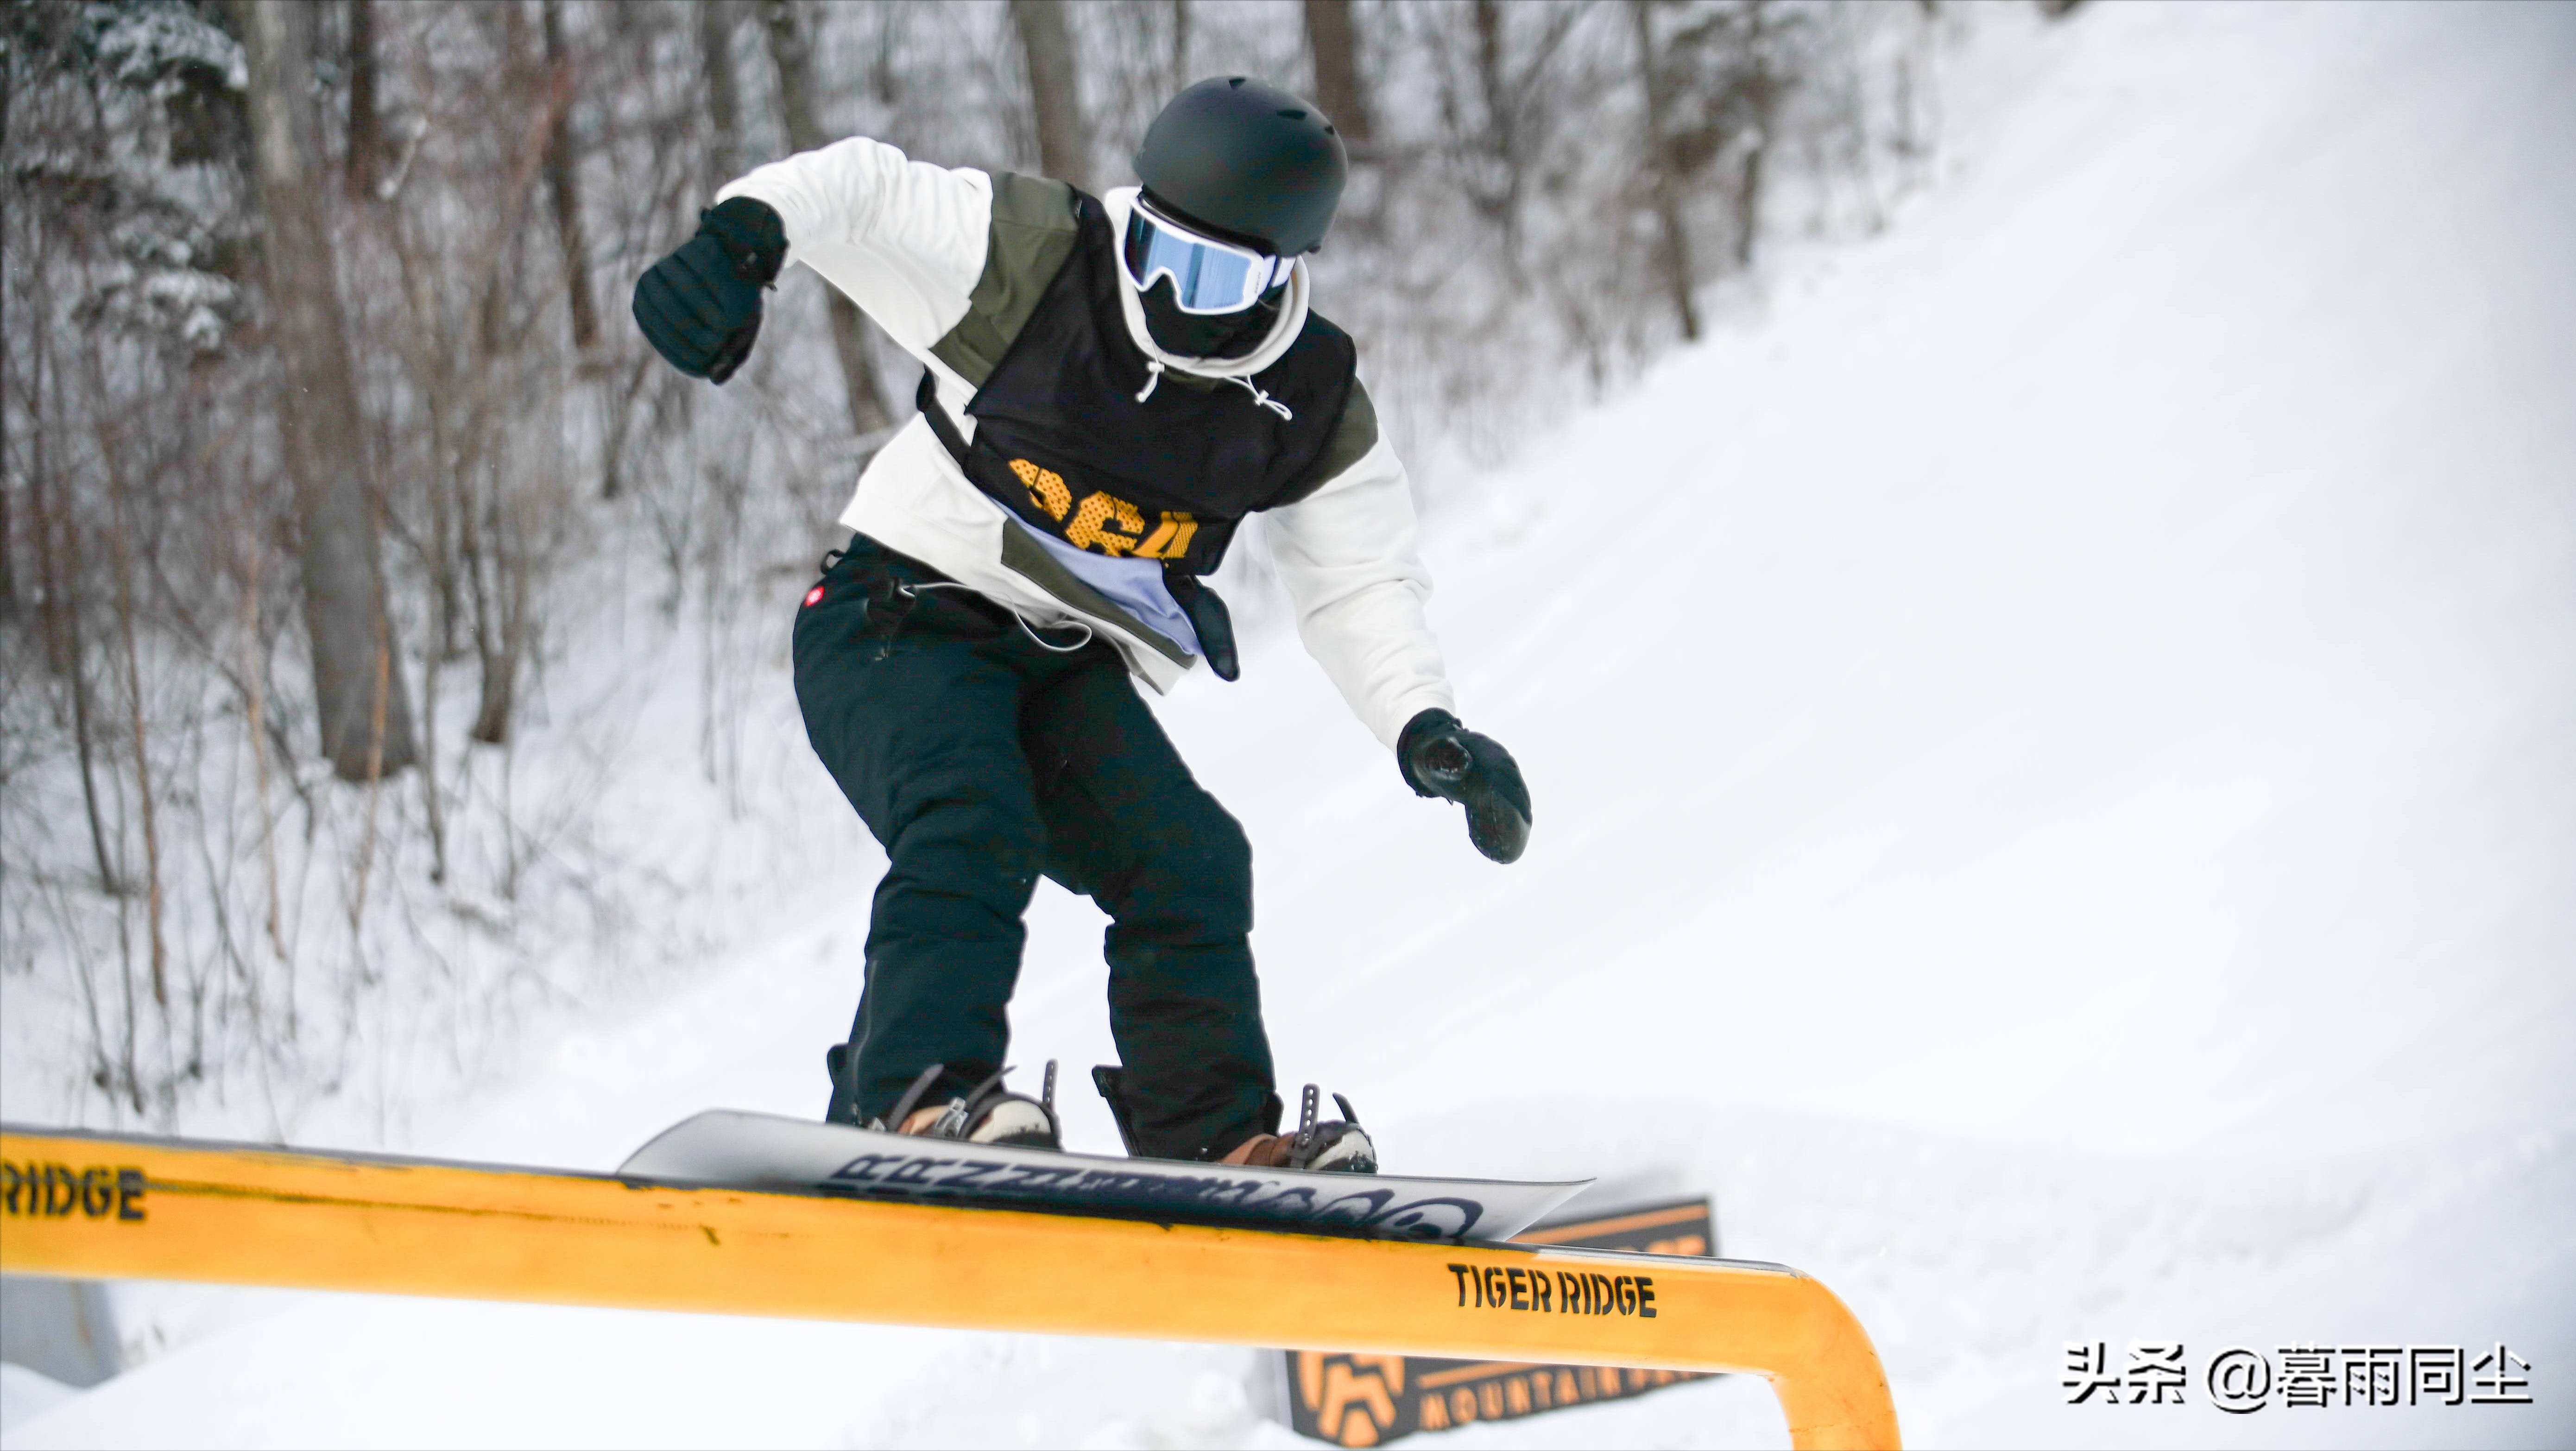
x=26 y=1394
x=2054 y=739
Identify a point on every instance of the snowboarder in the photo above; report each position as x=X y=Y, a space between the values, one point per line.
x=1110 y=386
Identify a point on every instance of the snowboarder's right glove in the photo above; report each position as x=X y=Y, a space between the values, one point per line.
x=700 y=306
x=1442 y=758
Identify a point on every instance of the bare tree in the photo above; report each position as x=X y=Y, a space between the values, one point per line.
x=138 y=734
x=56 y=540
x=1502 y=200
x=1332 y=41
x=8 y=567
x=563 y=181
x=1718 y=84
x=1663 y=179
x=366 y=131
x=1046 y=46
x=1502 y=145
x=716 y=22
x=791 y=50
x=364 y=712
x=1757 y=94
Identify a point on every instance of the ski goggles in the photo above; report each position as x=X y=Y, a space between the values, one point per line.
x=1208 y=276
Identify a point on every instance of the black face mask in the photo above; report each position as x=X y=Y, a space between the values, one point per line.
x=1208 y=334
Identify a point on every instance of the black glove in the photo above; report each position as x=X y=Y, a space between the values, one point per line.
x=1442 y=758
x=700 y=306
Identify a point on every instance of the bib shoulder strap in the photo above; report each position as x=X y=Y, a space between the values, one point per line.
x=926 y=397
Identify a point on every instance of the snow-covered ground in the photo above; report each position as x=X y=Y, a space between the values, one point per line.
x=2054 y=737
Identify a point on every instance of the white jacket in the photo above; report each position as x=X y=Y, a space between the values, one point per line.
x=909 y=243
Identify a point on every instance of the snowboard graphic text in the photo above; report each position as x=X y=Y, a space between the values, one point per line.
x=1362 y=1203
x=756 y=1151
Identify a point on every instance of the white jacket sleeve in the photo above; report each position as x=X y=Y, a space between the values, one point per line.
x=1346 y=555
x=903 y=238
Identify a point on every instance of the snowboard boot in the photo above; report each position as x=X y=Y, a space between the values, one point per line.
x=989 y=1115
x=1336 y=1146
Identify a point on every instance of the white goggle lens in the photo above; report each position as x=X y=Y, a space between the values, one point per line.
x=1208 y=276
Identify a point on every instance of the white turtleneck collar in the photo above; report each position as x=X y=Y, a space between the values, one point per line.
x=1119 y=201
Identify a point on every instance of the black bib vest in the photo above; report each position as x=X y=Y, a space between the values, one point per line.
x=1062 y=441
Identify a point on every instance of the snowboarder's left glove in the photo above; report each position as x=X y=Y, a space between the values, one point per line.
x=1442 y=758
x=700 y=306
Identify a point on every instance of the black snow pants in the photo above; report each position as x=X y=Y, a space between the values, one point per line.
x=981 y=758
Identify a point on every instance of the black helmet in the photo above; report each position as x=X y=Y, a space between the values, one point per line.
x=1238 y=156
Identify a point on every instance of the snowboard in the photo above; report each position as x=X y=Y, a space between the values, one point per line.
x=730 y=1148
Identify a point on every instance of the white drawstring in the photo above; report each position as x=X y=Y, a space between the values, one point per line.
x=1154 y=375
x=1264 y=399
x=1041 y=641
x=914 y=591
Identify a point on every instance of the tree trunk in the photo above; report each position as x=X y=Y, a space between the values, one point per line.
x=1762 y=98
x=717 y=20
x=1332 y=37
x=1180 y=44
x=1748 y=205
x=1046 y=44
x=366 y=130
x=58 y=597
x=121 y=546
x=359 y=699
x=8 y=556
x=791 y=51
x=563 y=181
x=1501 y=199
x=1663 y=186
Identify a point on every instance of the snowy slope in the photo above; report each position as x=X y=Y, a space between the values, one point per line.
x=2054 y=739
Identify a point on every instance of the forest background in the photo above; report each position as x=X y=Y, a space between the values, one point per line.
x=391 y=646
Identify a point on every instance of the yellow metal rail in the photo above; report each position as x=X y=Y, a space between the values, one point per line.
x=95 y=1206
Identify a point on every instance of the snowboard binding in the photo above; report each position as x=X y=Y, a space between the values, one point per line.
x=1332 y=1146
x=990 y=1114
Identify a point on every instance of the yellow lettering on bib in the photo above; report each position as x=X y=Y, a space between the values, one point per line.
x=1084 y=531
x=1046 y=488
x=1171 y=539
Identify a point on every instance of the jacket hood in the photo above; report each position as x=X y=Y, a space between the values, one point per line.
x=1119 y=202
